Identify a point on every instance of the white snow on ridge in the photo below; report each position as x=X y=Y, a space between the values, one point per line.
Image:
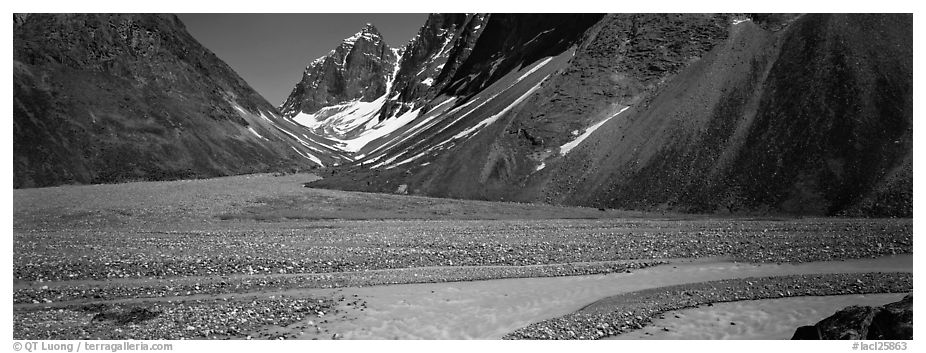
x=444 y=127
x=444 y=47
x=468 y=132
x=426 y=123
x=317 y=61
x=534 y=69
x=298 y=139
x=428 y=81
x=381 y=129
x=395 y=72
x=493 y=118
x=251 y=129
x=538 y=36
x=308 y=156
x=341 y=118
x=390 y=160
x=362 y=34
x=473 y=129
x=278 y=127
x=588 y=132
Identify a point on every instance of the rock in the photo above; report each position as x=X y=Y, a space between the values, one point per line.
x=809 y=332
x=357 y=69
x=893 y=321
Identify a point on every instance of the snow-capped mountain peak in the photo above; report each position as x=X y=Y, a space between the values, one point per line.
x=357 y=70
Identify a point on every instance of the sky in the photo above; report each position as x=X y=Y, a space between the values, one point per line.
x=270 y=51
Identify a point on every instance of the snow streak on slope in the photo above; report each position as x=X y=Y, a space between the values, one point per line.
x=269 y=126
x=493 y=118
x=564 y=149
x=494 y=102
x=339 y=120
x=251 y=129
x=395 y=128
x=352 y=125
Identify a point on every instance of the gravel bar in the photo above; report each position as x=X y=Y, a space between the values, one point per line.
x=111 y=290
x=345 y=246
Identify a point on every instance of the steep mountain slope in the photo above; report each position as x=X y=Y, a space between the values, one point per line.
x=108 y=98
x=801 y=114
x=430 y=72
x=329 y=99
x=440 y=46
x=358 y=70
x=811 y=119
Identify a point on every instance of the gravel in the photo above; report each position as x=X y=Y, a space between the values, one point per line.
x=630 y=311
x=339 y=246
x=178 y=242
x=110 y=290
x=194 y=319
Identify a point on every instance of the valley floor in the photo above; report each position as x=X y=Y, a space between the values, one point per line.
x=261 y=256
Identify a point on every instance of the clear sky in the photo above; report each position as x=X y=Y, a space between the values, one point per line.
x=270 y=51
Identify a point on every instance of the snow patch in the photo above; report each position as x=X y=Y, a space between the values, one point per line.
x=473 y=129
x=362 y=34
x=341 y=118
x=381 y=129
x=308 y=156
x=534 y=69
x=588 y=132
x=493 y=118
x=444 y=47
x=426 y=123
x=251 y=129
x=428 y=81
x=395 y=72
x=537 y=36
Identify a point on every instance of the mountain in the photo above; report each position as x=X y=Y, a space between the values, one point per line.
x=358 y=70
x=101 y=98
x=750 y=113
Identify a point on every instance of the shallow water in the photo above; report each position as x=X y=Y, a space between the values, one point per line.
x=490 y=309
x=767 y=319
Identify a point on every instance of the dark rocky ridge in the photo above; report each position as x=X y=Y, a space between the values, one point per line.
x=480 y=49
x=510 y=41
x=892 y=321
x=359 y=68
x=441 y=45
x=104 y=98
x=789 y=114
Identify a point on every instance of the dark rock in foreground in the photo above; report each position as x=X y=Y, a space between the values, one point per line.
x=893 y=321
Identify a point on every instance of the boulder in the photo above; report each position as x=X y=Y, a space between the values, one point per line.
x=892 y=321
